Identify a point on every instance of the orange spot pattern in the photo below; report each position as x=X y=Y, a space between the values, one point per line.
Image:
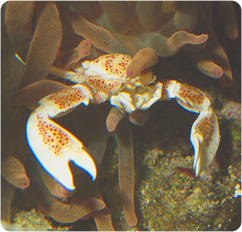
x=51 y=135
x=167 y=83
x=67 y=98
x=115 y=64
x=205 y=127
x=190 y=94
x=96 y=61
x=118 y=68
x=165 y=89
x=99 y=84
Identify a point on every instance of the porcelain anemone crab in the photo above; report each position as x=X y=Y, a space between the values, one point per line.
x=101 y=79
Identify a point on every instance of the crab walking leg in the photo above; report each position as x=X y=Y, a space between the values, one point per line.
x=205 y=136
x=54 y=146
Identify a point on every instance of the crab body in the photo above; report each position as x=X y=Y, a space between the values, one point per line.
x=103 y=79
x=106 y=77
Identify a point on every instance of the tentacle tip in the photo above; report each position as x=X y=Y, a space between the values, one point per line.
x=86 y=43
x=113 y=119
x=220 y=73
x=132 y=222
x=25 y=182
x=205 y=37
x=217 y=72
x=130 y=74
x=233 y=35
x=213 y=70
x=225 y=81
x=201 y=39
x=110 y=126
x=139 y=117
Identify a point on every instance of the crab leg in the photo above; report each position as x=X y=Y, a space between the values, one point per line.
x=54 y=146
x=66 y=74
x=205 y=134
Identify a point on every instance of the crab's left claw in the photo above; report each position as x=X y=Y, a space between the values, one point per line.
x=205 y=136
x=53 y=146
x=205 y=140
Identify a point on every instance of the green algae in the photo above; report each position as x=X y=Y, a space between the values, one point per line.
x=171 y=200
x=235 y=131
x=34 y=221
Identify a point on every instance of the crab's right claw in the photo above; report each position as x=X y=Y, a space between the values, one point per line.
x=54 y=147
x=205 y=139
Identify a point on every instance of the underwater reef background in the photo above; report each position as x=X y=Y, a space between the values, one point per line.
x=167 y=195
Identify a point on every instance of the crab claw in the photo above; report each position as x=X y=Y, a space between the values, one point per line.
x=54 y=147
x=205 y=136
x=205 y=139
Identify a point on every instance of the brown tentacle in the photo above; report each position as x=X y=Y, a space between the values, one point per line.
x=45 y=43
x=113 y=119
x=183 y=19
x=124 y=141
x=170 y=46
x=51 y=206
x=7 y=193
x=215 y=49
x=32 y=93
x=144 y=58
x=103 y=219
x=100 y=37
x=228 y=17
x=14 y=172
x=203 y=61
x=148 y=14
x=118 y=15
x=53 y=186
x=19 y=24
x=76 y=54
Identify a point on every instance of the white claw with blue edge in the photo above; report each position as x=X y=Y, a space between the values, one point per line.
x=54 y=147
